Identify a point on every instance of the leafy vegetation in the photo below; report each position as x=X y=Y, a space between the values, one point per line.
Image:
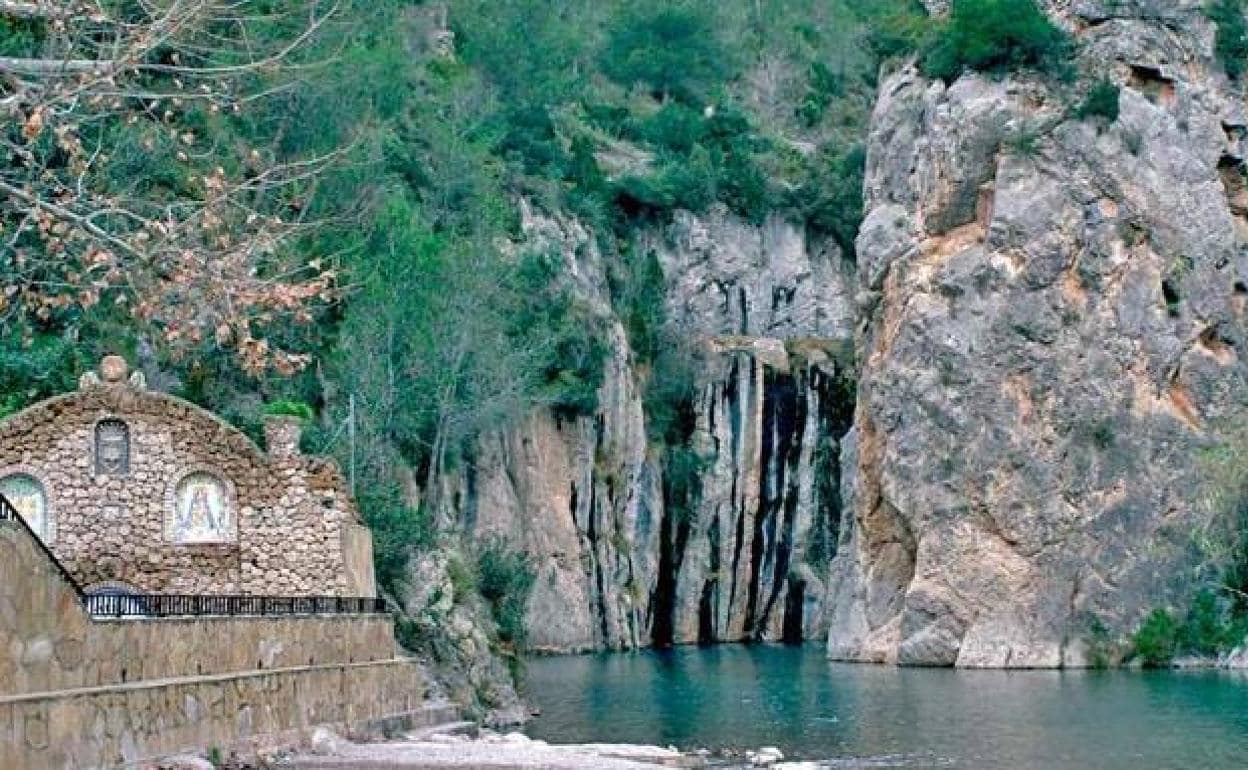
x=896 y=27
x=1025 y=141
x=995 y=36
x=134 y=187
x=1231 y=40
x=36 y=368
x=505 y=579
x=1216 y=619
x=674 y=49
x=1100 y=645
x=1211 y=627
x=1101 y=101
x=397 y=532
x=286 y=407
x=1156 y=641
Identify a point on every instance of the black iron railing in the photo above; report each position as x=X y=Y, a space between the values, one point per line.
x=118 y=604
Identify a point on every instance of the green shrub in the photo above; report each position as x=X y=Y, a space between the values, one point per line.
x=397 y=531
x=1101 y=102
x=1231 y=41
x=1157 y=640
x=1025 y=142
x=564 y=333
x=830 y=196
x=529 y=138
x=1212 y=626
x=824 y=88
x=702 y=158
x=289 y=408
x=409 y=633
x=1206 y=630
x=674 y=126
x=692 y=183
x=674 y=48
x=505 y=580
x=1100 y=646
x=463 y=579
x=995 y=36
x=1103 y=434
x=895 y=27
x=638 y=292
x=36 y=368
x=641 y=196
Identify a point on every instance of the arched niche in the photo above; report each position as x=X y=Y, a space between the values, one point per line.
x=112 y=447
x=30 y=498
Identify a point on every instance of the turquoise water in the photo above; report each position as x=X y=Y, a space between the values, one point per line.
x=878 y=717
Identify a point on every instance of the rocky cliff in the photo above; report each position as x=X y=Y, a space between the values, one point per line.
x=768 y=320
x=1052 y=318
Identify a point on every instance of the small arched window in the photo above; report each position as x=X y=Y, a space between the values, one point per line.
x=112 y=447
x=27 y=495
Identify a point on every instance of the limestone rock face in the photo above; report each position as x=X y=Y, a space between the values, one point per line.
x=1052 y=326
x=750 y=552
x=728 y=277
x=618 y=566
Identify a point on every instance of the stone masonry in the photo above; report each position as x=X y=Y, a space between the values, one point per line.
x=141 y=490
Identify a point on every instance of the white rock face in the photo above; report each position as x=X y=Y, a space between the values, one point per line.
x=726 y=276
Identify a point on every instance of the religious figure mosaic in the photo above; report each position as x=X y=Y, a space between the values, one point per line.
x=201 y=511
x=28 y=497
x=112 y=448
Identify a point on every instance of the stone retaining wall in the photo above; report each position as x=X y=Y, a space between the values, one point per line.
x=123 y=725
x=80 y=694
x=47 y=642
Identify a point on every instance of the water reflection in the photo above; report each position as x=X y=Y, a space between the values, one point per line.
x=745 y=697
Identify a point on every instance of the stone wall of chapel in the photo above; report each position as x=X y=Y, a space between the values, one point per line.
x=290 y=516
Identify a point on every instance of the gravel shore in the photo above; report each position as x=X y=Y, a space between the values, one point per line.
x=436 y=750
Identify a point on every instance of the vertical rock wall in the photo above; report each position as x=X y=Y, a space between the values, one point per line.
x=744 y=566
x=1053 y=323
x=619 y=564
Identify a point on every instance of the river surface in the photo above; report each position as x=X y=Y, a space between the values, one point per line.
x=879 y=717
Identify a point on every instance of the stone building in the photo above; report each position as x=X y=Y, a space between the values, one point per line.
x=134 y=490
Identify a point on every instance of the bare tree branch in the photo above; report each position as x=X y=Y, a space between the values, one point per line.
x=17 y=9
x=203 y=257
x=55 y=67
